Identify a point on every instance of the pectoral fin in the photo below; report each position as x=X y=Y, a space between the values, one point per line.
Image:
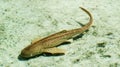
x=54 y=50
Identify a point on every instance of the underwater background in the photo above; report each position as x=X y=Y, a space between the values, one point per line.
x=22 y=21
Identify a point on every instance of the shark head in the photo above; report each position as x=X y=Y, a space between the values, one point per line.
x=30 y=51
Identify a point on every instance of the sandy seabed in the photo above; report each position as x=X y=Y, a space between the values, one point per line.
x=21 y=21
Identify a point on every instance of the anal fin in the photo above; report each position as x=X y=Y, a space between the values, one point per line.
x=69 y=41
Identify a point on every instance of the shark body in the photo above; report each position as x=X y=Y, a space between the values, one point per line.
x=48 y=44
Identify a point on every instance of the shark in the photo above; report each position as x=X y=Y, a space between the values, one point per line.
x=49 y=44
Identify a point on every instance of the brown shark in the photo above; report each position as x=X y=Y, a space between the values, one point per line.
x=48 y=44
